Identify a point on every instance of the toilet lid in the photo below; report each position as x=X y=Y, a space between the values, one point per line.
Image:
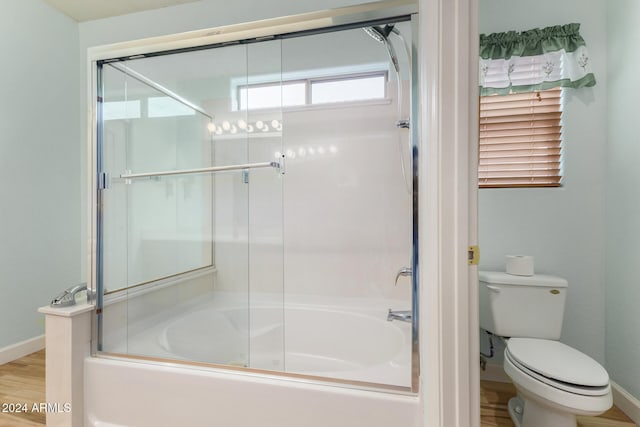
x=558 y=361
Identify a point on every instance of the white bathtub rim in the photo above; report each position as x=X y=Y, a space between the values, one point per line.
x=229 y=371
x=271 y=377
x=103 y=379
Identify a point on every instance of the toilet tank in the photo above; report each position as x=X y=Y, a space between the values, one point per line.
x=522 y=306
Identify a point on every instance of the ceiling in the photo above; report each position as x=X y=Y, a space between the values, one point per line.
x=88 y=10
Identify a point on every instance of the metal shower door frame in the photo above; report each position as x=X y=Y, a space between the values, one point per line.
x=367 y=14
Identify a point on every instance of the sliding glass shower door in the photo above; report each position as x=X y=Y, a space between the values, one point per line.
x=256 y=206
x=181 y=159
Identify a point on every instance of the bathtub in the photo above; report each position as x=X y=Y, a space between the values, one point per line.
x=348 y=342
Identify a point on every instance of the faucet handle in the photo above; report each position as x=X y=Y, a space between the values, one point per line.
x=404 y=271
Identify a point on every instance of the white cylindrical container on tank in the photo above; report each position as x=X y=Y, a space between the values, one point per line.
x=519 y=265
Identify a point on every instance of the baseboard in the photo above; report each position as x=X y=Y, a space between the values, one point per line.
x=21 y=349
x=494 y=372
x=626 y=402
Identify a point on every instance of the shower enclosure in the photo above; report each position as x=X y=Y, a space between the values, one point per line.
x=256 y=201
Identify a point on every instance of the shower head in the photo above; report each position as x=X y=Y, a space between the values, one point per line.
x=381 y=35
x=375 y=34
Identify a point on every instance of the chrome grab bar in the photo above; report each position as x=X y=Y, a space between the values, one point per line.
x=202 y=170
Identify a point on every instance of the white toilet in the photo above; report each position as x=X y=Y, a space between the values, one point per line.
x=554 y=381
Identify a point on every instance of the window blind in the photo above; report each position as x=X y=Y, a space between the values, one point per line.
x=521 y=139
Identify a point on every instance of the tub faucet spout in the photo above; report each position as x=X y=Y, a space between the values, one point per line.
x=401 y=315
x=404 y=271
x=68 y=296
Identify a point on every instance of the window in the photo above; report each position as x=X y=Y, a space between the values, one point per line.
x=347 y=89
x=269 y=95
x=313 y=91
x=520 y=140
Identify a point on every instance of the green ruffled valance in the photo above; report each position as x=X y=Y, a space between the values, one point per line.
x=536 y=59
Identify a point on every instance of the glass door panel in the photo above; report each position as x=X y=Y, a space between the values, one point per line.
x=348 y=207
x=264 y=136
x=174 y=252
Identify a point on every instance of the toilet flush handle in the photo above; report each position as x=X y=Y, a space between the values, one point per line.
x=494 y=288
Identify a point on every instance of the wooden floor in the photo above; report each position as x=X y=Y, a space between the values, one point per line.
x=22 y=386
x=22 y=382
x=493 y=409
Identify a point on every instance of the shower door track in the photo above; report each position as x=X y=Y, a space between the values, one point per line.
x=366 y=14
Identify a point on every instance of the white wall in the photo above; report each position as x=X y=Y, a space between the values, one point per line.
x=39 y=164
x=623 y=203
x=563 y=228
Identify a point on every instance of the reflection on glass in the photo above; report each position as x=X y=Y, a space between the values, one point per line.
x=117 y=110
x=165 y=106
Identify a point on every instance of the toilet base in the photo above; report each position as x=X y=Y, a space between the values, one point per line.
x=516 y=407
x=528 y=413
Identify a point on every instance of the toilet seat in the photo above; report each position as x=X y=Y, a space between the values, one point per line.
x=558 y=365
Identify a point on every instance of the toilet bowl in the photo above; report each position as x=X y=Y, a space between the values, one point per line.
x=554 y=382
